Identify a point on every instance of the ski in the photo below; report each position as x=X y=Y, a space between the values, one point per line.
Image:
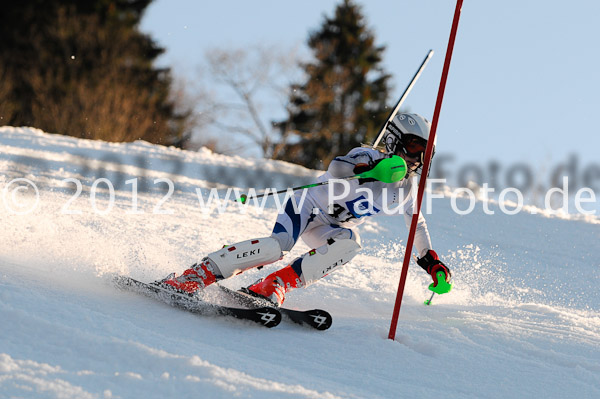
x=267 y=316
x=316 y=318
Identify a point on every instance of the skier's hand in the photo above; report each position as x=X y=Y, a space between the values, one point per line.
x=363 y=167
x=432 y=264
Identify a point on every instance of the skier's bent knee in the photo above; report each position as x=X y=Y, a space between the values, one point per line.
x=305 y=270
x=321 y=261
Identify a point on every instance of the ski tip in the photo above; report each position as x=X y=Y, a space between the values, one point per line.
x=122 y=281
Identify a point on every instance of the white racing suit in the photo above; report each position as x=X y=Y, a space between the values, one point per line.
x=320 y=218
x=327 y=223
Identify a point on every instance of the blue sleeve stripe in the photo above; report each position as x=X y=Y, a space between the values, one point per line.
x=362 y=153
x=343 y=160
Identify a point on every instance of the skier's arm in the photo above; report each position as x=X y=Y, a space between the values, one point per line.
x=422 y=238
x=428 y=258
x=343 y=166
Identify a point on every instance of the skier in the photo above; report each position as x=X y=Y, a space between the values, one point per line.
x=331 y=230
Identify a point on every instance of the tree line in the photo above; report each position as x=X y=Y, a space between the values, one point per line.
x=85 y=69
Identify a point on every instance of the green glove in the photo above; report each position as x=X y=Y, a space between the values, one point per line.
x=387 y=170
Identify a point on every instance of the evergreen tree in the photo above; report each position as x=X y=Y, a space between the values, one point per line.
x=84 y=69
x=343 y=101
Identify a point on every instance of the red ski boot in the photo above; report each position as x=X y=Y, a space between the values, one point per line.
x=198 y=276
x=276 y=285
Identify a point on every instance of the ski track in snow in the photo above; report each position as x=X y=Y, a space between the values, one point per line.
x=523 y=319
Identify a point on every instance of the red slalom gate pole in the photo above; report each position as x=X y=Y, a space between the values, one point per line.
x=428 y=153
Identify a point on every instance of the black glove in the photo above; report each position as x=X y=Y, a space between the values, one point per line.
x=432 y=264
x=363 y=167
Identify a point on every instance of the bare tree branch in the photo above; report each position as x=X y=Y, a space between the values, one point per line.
x=258 y=78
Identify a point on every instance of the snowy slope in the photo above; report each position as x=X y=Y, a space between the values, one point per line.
x=522 y=321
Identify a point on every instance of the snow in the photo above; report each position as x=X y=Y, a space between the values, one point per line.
x=523 y=319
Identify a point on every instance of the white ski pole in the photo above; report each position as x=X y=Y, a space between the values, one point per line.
x=402 y=98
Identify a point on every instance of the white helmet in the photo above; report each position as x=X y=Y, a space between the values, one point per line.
x=407 y=134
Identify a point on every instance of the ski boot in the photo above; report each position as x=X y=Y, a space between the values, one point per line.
x=224 y=263
x=274 y=287
x=198 y=276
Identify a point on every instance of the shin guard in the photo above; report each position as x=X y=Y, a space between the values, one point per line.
x=234 y=259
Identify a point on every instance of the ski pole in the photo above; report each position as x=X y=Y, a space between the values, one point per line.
x=388 y=170
x=428 y=301
x=244 y=197
x=402 y=98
